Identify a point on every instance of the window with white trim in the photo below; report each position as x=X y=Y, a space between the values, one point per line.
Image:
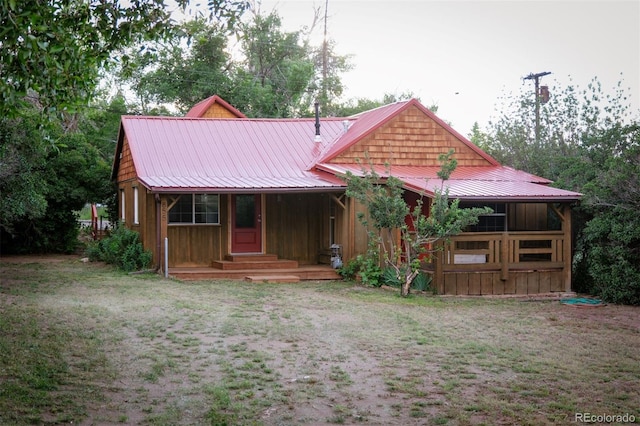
x=195 y=209
x=136 y=219
x=122 y=210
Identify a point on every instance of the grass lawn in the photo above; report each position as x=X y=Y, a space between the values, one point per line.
x=84 y=344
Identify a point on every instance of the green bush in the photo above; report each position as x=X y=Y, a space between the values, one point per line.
x=349 y=270
x=390 y=277
x=121 y=248
x=421 y=282
x=364 y=267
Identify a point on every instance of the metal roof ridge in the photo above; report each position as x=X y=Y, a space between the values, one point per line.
x=360 y=114
x=233 y=119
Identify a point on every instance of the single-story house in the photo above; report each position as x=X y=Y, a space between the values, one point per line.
x=218 y=194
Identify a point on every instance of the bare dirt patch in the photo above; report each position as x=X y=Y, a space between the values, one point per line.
x=231 y=352
x=39 y=258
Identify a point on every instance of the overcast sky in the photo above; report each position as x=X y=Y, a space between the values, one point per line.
x=463 y=55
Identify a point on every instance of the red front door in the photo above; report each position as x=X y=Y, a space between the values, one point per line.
x=246 y=226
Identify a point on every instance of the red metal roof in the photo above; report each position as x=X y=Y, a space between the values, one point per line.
x=185 y=154
x=469 y=183
x=174 y=154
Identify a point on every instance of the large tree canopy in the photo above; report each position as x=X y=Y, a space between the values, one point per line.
x=589 y=141
x=55 y=155
x=266 y=72
x=571 y=115
x=53 y=50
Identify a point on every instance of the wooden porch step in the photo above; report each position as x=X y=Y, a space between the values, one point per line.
x=228 y=265
x=251 y=257
x=304 y=273
x=272 y=278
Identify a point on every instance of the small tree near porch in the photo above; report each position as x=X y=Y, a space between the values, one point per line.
x=402 y=247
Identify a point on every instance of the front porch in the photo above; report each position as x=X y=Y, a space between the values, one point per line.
x=257 y=268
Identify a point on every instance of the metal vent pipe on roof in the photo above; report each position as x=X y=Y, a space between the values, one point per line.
x=317 y=138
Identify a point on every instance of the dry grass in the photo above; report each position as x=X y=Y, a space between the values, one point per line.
x=84 y=344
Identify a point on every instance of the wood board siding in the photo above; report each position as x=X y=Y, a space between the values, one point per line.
x=147 y=227
x=296 y=226
x=411 y=139
x=486 y=283
x=527 y=216
x=199 y=245
x=195 y=245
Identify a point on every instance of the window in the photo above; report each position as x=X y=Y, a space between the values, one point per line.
x=196 y=208
x=494 y=222
x=136 y=219
x=122 y=210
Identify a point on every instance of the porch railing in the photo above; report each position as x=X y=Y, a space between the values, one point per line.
x=504 y=251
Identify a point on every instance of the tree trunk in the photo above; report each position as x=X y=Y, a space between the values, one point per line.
x=405 y=289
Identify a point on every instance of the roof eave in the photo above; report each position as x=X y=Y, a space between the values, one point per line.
x=190 y=190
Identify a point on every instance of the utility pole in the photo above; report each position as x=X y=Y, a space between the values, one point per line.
x=539 y=95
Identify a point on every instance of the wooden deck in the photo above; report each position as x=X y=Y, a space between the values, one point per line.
x=256 y=268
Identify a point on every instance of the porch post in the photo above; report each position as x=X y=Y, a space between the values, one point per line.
x=163 y=232
x=567 y=251
x=348 y=226
x=504 y=256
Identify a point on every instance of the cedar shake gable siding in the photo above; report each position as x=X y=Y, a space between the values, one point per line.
x=214 y=107
x=410 y=136
x=126 y=170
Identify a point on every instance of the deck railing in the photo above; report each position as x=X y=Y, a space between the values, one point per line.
x=504 y=251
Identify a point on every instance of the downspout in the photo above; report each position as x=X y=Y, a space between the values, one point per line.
x=158 y=233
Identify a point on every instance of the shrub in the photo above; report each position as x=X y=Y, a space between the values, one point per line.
x=121 y=248
x=349 y=270
x=364 y=267
x=390 y=277
x=421 y=282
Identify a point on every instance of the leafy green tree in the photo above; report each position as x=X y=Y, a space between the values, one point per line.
x=100 y=123
x=54 y=50
x=387 y=213
x=72 y=175
x=273 y=74
x=23 y=150
x=277 y=67
x=608 y=245
x=588 y=143
x=186 y=69
x=52 y=53
x=327 y=87
x=358 y=105
x=269 y=81
x=571 y=115
x=479 y=138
